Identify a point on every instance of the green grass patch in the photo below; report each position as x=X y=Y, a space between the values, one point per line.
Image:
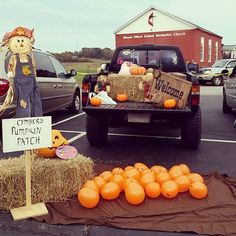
x=82 y=68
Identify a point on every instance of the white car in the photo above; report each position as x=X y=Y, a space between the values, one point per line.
x=214 y=74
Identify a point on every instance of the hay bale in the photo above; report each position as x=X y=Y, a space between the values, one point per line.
x=52 y=179
x=128 y=84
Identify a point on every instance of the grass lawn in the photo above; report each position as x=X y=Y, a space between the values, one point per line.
x=82 y=68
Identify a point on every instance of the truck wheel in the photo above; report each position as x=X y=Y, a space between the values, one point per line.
x=191 y=131
x=226 y=107
x=217 y=81
x=97 y=129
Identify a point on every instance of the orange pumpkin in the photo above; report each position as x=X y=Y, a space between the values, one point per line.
x=117 y=171
x=195 y=177
x=153 y=190
x=88 y=197
x=90 y=184
x=129 y=180
x=175 y=172
x=140 y=166
x=157 y=169
x=119 y=179
x=99 y=181
x=137 y=70
x=198 y=190
x=133 y=173
x=169 y=189
x=106 y=175
x=95 y=101
x=169 y=103
x=57 y=141
x=148 y=171
x=134 y=193
x=185 y=169
x=146 y=179
x=128 y=168
x=122 y=97
x=110 y=191
x=162 y=177
x=183 y=182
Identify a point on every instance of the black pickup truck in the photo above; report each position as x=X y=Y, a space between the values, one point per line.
x=168 y=59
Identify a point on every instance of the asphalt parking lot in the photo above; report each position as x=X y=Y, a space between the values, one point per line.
x=144 y=144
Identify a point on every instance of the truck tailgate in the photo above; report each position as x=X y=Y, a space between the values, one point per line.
x=136 y=107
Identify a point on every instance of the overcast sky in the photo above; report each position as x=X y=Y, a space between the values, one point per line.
x=69 y=25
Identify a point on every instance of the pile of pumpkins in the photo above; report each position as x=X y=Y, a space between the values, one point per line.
x=139 y=181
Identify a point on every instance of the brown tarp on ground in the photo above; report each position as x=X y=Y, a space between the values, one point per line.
x=215 y=215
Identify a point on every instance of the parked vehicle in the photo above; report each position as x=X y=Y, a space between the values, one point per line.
x=58 y=88
x=214 y=74
x=169 y=59
x=229 y=91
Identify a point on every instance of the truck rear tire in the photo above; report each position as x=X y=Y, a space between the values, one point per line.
x=97 y=129
x=191 y=131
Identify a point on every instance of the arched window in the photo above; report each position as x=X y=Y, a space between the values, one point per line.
x=209 y=49
x=217 y=49
x=202 y=49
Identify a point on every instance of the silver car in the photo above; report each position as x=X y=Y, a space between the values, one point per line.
x=229 y=92
x=214 y=74
x=58 y=88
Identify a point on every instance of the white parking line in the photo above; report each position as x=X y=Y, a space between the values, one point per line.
x=70 y=118
x=77 y=137
x=218 y=140
x=71 y=131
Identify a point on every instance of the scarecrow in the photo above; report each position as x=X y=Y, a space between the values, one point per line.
x=22 y=74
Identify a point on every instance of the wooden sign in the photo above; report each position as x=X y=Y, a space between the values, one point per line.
x=21 y=134
x=169 y=86
x=26 y=134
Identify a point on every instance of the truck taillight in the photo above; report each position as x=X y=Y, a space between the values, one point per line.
x=85 y=93
x=195 y=95
x=85 y=87
x=4 y=85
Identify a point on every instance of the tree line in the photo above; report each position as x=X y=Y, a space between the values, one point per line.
x=79 y=56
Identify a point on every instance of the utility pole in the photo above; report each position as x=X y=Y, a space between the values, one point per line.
x=77 y=47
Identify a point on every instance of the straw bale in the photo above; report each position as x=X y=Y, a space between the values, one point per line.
x=128 y=84
x=52 y=179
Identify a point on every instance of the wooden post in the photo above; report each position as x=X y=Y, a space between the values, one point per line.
x=28 y=177
x=30 y=210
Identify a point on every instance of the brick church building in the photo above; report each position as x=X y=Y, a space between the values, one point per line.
x=155 y=26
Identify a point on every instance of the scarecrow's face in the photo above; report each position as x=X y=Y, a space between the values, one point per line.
x=20 y=44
